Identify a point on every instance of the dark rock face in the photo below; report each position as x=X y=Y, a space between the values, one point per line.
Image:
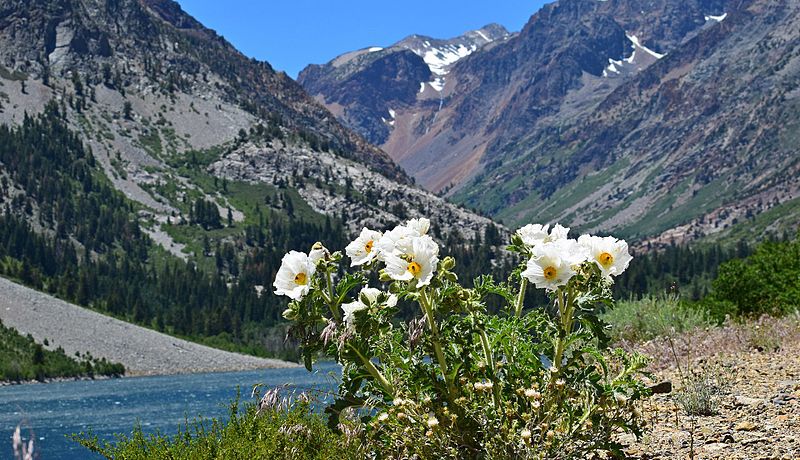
x=700 y=135
x=389 y=81
x=140 y=43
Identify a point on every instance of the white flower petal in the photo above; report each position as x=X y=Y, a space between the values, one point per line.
x=533 y=234
x=608 y=253
x=350 y=308
x=553 y=264
x=363 y=249
x=294 y=275
x=419 y=226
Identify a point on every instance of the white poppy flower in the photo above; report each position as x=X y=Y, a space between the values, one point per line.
x=553 y=264
x=533 y=234
x=558 y=232
x=536 y=234
x=609 y=253
x=362 y=250
x=294 y=277
x=372 y=297
x=395 y=242
x=419 y=226
x=418 y=261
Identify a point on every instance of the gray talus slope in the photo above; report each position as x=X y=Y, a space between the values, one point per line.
x=142 y=351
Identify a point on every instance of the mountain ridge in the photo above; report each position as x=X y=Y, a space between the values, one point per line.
x=539 y=126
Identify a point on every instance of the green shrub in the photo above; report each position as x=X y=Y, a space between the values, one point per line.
x=456 y=381
x=767 y=282
x=653 y=316
x=296 y=434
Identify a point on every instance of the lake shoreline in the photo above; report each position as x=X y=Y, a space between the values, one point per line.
x=9 y=383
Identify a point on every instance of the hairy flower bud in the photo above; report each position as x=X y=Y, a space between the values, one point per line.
x=448 y=263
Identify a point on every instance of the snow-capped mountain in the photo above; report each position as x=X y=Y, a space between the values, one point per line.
x=369 y=87
x=442 y=55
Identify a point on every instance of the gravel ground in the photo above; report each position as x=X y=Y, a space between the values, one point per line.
x=142 y=351
x=755 y=393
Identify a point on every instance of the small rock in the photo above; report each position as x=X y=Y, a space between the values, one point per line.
x=714 y=447
x=661 y=388
x=728 y=438
x=745 y=401
x=745 y=426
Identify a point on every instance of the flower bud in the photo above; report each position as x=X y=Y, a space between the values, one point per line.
x=289 y=314
x=448 y=263
x=525 y=434
x=433 y=422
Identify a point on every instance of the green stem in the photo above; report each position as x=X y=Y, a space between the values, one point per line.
x=487 y=352
x=332 y=303
x=387 y=387
x=437 y=346
x=565 y=309
x=521 y=297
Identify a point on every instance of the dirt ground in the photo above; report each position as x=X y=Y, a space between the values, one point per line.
x=747 y=376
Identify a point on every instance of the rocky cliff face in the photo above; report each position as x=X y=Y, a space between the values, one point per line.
x=577 y=115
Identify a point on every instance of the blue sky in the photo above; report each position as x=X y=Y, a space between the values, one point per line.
x=291 y=34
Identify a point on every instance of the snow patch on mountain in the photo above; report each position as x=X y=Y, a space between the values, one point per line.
x=716 y=18
x=640 y=57
x=441 y=55
x=636 y=44
x=440 y=59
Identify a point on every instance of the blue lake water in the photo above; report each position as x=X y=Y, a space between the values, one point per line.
x=52 y=411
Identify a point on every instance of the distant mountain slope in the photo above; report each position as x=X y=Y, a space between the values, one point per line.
x=704 y=138
x=625 y=116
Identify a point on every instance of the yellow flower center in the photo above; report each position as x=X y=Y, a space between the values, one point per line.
x=300 y=278
x=368 y=246
x=605 y=259
x=414 y=268
x=550 y=273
